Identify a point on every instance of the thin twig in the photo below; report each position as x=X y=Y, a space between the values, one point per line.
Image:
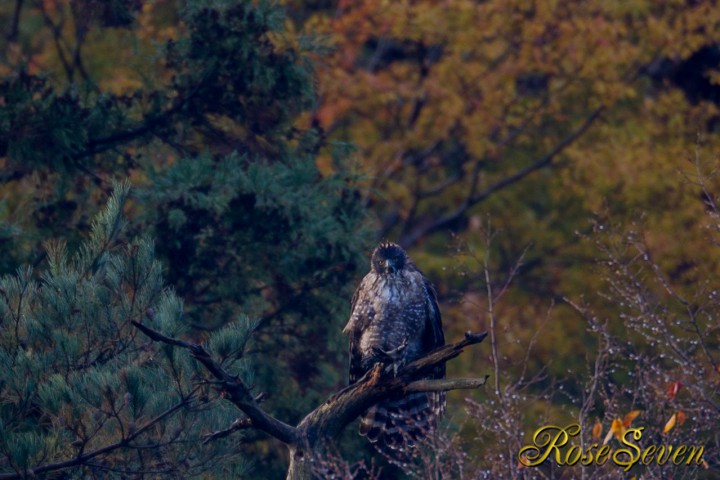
x=239 y=424
x=83 y=458
x=491 y=313
x=15 y=26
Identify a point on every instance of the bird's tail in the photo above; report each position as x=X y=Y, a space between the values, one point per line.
x=399 y=424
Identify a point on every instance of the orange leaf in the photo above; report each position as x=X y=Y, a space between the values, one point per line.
x=597 y=430
x=630 y=417
x=670 y=423
x=680 y=418
x=523 y=461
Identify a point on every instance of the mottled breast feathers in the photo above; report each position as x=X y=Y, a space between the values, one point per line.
x=395 y=304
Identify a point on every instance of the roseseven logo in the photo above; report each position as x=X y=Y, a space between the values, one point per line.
x=553 y=441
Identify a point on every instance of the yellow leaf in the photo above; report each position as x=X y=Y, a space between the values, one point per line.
x=616 y=429
x=597 y=429
x=670 y=423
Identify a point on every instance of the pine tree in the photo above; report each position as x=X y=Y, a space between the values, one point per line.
x=243 y=222
x=96 y=379
x=82 y=389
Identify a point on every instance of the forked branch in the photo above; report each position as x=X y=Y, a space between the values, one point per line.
x=328 y=420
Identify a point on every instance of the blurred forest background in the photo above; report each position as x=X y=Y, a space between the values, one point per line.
x=550 y=166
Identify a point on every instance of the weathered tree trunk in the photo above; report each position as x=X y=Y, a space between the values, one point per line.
x=299 y=466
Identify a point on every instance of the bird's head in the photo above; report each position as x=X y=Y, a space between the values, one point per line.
x=388 y=258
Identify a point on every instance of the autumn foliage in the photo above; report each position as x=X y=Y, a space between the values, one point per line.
x=550 y=165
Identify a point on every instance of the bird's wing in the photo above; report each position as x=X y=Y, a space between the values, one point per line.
x=433 y=336
x=352 y=322
x=356 y=371
x=354 y=328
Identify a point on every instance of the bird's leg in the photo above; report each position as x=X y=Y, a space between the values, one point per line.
x=392 y=357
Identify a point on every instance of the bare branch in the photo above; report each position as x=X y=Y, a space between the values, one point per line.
x=15 y=26
x=237 y=392
x=446 y=384
x=159 y=337
x=493 y=318
x=442 y=354
x=439 y=187
x=475 y=198
x=328 y=420
x=239 y=424
x=58 y=40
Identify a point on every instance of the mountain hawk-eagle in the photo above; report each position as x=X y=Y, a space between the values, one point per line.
x=395 y=314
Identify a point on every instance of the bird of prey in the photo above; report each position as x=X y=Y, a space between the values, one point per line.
x=395 y=315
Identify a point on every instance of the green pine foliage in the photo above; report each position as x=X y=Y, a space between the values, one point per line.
x=81 y=387
x=274 y=241
x=230 y=210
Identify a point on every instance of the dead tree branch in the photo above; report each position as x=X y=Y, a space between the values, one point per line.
x=235 y=390
x=328 y=420
x=445 y=384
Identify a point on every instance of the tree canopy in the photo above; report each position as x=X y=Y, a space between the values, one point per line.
x=551 y=167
